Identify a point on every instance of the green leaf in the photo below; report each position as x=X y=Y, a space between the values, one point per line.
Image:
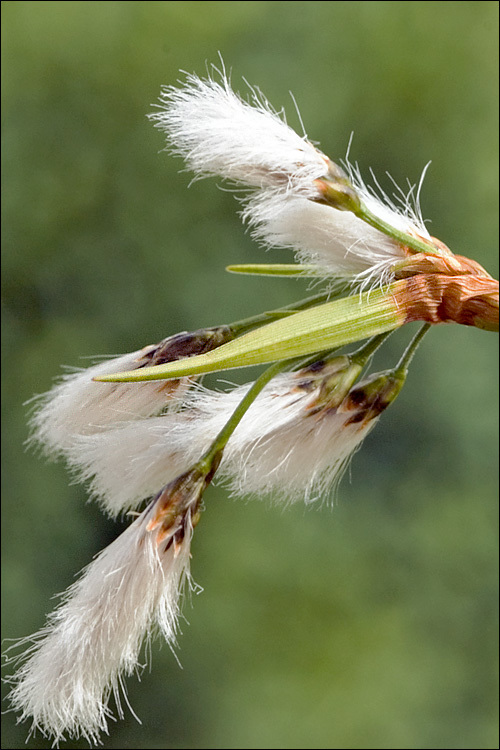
x=276 y=269
x=325 y=326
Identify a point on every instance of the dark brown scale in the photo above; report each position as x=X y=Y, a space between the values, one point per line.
x=357 y=397
x=368 y=400
x=307 y=385
x=168 y=544
x=179 y=535
x=369 y=412
x=315 y=367
x=187 y=345
x=359 y=416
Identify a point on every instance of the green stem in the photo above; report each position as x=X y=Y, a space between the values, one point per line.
x=220 y=441
x=404 y=363
x=337 y=191
x=413 y=243
x=363 y=354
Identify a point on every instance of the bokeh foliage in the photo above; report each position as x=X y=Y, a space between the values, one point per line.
x=372 y=624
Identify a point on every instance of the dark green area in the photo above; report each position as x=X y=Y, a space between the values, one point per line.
x=369 y=625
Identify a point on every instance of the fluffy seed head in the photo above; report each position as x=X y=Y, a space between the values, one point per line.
x=129 y=463
x=294 y=441
x=72 y=666
x=304 y=437
x=218 y=133
x=339 y=243
x=79 y=406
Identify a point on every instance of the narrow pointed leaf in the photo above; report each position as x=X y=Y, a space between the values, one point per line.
x=323 y=327
x=276 y=269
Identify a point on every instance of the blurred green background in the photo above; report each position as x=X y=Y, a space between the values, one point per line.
x=369 y=625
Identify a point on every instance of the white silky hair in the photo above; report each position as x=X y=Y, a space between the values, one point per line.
x=402 y=211
x=301 y=460
x=77 y=405
x=217 y=132
x=290 y=450
x=339 y=243
x=285 y=444
x=70 y=669
x=279 y=448
x=283 y=447
x=129 y=463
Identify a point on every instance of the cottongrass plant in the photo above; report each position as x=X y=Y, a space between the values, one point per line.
x=148 y=437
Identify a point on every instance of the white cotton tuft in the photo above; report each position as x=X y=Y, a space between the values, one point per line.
x=339 y=243
x=283 y=445
x=219 y=133
x=280 y=446
x=287 y=447
x=78 y=405
x=74 y=664
x=128 y=463
x=131 y=462
x=302 y=459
